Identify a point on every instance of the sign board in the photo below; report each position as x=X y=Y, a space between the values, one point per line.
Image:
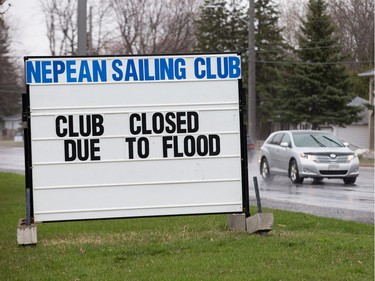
x=115 y=137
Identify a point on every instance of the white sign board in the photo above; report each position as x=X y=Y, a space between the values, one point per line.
x=134 y=136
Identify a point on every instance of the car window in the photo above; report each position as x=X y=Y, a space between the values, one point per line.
x=286 y=138
x=270 y=140
x=313 y=139
x=277 y=138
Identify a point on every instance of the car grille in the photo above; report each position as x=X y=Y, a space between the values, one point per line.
x=333 y=173
x=322 y=158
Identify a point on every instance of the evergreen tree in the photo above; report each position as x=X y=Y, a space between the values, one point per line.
x=211 y=27
x=9 y=88
x=270 y=53
x=320 y=88
x=222 y=27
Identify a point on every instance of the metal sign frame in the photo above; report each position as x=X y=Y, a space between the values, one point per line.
x=40 y=120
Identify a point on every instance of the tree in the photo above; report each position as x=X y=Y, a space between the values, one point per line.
x=210 y=32
x=222 y=27
x=9 y=88
x=320 y=87
x=101 y=37
x=123 y=26
x=271 y=50
x=147 y=26
x=354 y=21
x=290 y=13
x=354 y=24
x=61 y=21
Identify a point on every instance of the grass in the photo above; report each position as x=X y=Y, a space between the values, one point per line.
x=300 y=247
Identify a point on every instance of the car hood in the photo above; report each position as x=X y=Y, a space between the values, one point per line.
x=324 y=150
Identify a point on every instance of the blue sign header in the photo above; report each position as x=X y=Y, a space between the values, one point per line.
x=74 y=70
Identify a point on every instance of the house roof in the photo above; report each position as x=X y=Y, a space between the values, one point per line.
x=358 y=101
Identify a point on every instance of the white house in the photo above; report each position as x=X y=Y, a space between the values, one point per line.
x=370 y=74
x=356 y=133
x=10 y=126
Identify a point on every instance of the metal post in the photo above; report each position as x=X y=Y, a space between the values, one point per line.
x=244 y=161
x=27 y=155
x=255 y=179
x=371 y=114
x=81 y=26
x=28 y=207
x=27 y=177
x=251 y=107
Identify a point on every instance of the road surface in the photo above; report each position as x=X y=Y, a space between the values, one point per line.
x=331 y=198
x=12 y=159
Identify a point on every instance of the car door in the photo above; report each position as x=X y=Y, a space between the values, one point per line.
x=284 y=154
x=274 y=154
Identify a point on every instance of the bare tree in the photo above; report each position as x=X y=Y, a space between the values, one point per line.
x=291 y=13
x=147 y=26
x=100 y=30
x=135 y=24
x=123 y=26
x=61 y=26
x=355 y=25
x=179 y=35
x=61 y=21
x=9 y=79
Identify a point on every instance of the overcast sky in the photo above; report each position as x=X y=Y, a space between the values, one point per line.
x=28 y=31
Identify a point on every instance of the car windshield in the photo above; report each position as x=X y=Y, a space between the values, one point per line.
x=313 y=139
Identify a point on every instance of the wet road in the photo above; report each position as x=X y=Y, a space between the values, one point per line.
x=12 y=159
x=329 y=199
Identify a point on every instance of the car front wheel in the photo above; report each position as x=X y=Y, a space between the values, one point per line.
x=293 y=173
x=265 y=170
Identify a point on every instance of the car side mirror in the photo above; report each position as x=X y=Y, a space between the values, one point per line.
x=346 y=144
x=284 y=144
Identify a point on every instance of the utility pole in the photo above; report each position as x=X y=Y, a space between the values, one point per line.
x=81 y=26
x=251 y=101
x=90 y=32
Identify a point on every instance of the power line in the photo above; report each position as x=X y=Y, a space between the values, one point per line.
x=314 y=63
x=313 y=48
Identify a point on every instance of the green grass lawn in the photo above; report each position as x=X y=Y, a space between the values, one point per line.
x=300 y=247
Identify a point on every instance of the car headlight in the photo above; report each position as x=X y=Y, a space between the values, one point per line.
x=310 y=157
x=351 y=157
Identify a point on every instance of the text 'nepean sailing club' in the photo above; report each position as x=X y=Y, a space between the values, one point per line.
x=74 y=70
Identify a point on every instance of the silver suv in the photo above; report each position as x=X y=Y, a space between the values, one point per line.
x=301 y=154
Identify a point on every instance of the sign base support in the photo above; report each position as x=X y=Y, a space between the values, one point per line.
x=259 y=223
x=237 y=222
x=26 y=234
